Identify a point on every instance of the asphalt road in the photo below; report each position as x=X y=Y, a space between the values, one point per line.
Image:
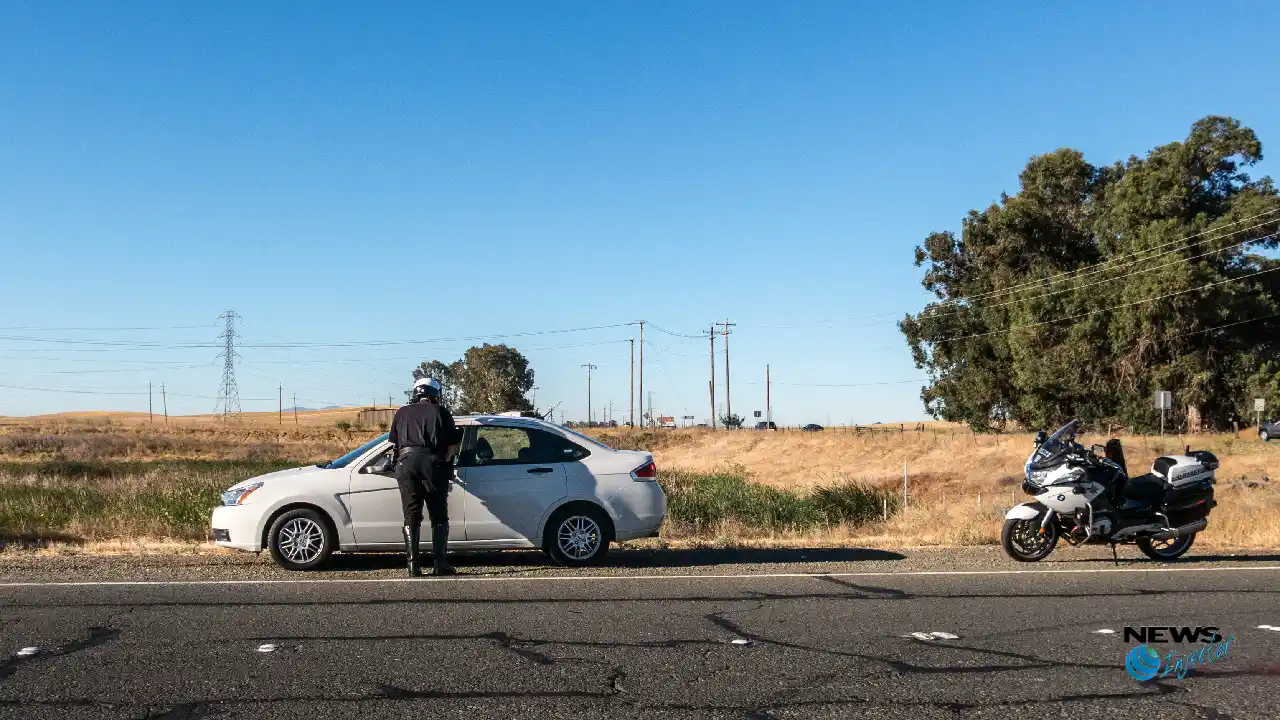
x=713 y=640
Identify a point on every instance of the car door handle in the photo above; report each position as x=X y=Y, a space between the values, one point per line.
x=540 y=470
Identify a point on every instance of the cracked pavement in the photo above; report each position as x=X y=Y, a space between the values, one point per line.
x=822 y=646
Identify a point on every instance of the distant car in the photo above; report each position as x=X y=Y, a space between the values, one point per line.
x=519 y=483
x=812 y=427
x=1269 y=429
x=766 y=426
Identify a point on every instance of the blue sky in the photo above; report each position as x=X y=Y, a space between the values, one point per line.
x=415 y=171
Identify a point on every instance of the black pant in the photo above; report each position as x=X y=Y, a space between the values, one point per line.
x=423 y=480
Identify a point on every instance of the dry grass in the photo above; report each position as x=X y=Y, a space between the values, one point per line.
x=305 y=418
x=89 y=441
x=949 y=468
x=98 y=475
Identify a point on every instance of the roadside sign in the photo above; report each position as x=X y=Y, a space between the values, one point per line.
x=1164 y=400
x=1259 y=404
x=757 y=413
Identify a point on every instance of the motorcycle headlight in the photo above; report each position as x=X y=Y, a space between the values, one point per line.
x=237 y=495
x=1038 y=477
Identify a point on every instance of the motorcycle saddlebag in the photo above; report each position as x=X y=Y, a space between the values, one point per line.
x=1188 y=503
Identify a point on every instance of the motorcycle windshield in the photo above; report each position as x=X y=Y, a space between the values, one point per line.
x=1052 y=451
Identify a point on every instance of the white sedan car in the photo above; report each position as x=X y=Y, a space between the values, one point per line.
x=519 y=483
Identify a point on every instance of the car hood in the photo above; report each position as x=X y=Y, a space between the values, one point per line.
x=280 y=475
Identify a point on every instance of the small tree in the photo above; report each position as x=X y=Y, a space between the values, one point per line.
x=732 y=422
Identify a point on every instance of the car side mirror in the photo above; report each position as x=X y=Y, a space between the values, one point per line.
x=381 y=465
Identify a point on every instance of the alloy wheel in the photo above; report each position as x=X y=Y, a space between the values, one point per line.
x=301 y=540
x=579 y=537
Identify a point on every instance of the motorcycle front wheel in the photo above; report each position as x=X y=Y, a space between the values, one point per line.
x=1023 y=542
x=1166 y=549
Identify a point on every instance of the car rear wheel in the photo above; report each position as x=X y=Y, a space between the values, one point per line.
x=1265 y=435
x=300 y=539
x=578 y=536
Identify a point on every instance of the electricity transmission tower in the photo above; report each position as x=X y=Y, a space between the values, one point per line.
x=228 y=394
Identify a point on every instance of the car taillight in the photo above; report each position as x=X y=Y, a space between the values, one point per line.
x=648 y=471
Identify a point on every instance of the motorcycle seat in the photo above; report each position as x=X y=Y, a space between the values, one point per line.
x=1147 y=488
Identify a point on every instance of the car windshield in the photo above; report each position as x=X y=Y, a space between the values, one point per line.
x=345 y=460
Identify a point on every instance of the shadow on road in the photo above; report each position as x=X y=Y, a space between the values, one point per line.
x=1189 y=559
x=515 y=561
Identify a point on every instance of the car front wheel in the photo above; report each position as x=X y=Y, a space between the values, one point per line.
x=578 y=536
x=300 y=540
x=1266 y=436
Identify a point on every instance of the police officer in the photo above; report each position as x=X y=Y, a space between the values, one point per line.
x=424 y=439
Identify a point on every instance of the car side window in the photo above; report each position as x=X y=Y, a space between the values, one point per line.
x=519 y=446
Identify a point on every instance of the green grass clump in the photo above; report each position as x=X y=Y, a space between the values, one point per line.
x=701 y=502
x=85 y=501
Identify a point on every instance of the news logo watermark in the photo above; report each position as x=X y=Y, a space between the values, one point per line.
x=1144 y=662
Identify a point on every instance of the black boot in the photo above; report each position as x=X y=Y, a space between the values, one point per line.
x=412 y=533
x=439 y=551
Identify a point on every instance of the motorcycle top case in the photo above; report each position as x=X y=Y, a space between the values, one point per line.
x=1182 y=470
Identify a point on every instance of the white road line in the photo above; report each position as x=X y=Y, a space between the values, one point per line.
x=457 y=579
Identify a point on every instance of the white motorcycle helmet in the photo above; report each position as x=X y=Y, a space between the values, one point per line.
x=425 y=388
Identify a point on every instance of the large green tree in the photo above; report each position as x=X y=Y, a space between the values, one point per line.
x=488 y=379
x=1095 y=286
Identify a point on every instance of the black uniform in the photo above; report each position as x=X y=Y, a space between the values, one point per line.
x=422 y=433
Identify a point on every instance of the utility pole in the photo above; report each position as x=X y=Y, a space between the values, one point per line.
x=651 y=418
x=768 y=399
x=150 y=417
x=642 y=369
x=280 y=406
x=590 y=410
x=712 y=384
x=728 y=403
x=165 y=398
x=631 y=387
x=295 y=408
x=389 y=401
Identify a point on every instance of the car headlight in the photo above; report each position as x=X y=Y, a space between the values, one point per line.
x=237 y=495
x=1038 y=477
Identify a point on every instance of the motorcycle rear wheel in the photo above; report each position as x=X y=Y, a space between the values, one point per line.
x=1166 y=549
x=1023 y=542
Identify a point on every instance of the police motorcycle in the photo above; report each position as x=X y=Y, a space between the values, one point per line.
x=1082 y=496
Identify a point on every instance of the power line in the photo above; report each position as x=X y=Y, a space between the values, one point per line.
x=70 y=392
x=841 y=385
x=1132 y=258
x=1075 y=288
x=104 y=329
x=1106 y=309
x=303 y=345
x=1102 y=266
x=675 y=334
x=902 y=382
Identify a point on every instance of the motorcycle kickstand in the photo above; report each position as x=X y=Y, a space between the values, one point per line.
x=1114 y=556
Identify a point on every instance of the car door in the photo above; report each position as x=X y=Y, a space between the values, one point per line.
x=377 y=516
x=511 y=476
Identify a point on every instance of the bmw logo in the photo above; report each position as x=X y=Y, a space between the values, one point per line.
x=1062 y=498
x=1142 y=663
